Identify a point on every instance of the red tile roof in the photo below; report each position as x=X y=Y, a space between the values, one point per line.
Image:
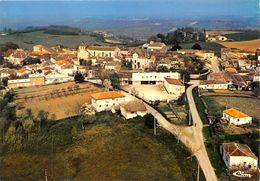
x=235 y=149
x=235 y=113
x=134 y=106
x=107 y=95
x=173 y=81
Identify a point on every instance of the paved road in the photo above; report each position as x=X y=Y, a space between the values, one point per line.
x=191 y=136
x=201 y=155
x=215 y=64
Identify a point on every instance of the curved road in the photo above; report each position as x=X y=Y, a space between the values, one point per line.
x=202 y=154
x=191 y=137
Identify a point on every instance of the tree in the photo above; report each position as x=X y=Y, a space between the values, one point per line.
x=31 y=60
x=107 y=84
x=161 y=37
x=79 y=77
x=149 y=121
x=13 y=139
x=28 y=125
x=115 y=81
x=102 y=74
x=154 y=39
x=198 y=64
x=196 y=46
x=176 y=47
x=126 y=64
x=162 y=69
x=9 y=45
x=42 y=118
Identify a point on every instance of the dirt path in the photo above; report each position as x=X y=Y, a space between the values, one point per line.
x=191 y=136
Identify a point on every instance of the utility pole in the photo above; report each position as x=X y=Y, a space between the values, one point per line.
x=154 y=126
x=189 y=117
x=198 y=175
x=46 y=175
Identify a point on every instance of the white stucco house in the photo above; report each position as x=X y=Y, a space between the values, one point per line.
x=234 y=116
x=173 y=86
x=85 y=52
x=140 y=61
x=104 y=101
x=133 y=109
x=156 y=46
x=238 y=155
x=212 y=84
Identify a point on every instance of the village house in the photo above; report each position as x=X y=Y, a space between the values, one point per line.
x=173 y=86
x=203 y=54
x=234 y=116
x=4 y=73
x=34 y=79
x=56 y=77
x=156 y=46
x=133 y=109
x=85 y=52
x=112 y=65
x=104 y=101
x=237 y=155
x=16 y=56
x=139 y=59
x=212 y=84
x=217 y=38
x=175 y=62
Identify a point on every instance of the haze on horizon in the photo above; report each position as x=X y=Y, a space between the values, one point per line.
x=17 y=14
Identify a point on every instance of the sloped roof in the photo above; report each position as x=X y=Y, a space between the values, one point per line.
x=107 y=95
x=38 y=53
x=236 y=149
x=134 y=106
x=173 y=81
x=231 y=70
x=207 y=82
x=235 y=113
x=102 y=48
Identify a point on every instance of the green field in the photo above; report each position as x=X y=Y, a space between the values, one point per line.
x=243 y=36
x=27 y=40
x=249 y=106
x=213 y=140
x=109 y=149
x=204 y=45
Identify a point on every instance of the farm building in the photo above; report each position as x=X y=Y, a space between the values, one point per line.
x=173 y=86
x=34 y=79
x=133 y=109
x=212 y=84
x=236 y=117
x=238 y=155
x=103 y=101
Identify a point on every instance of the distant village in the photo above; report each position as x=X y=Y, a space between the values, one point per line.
x=152 y=72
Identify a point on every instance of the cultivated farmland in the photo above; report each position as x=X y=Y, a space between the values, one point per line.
x=60 y=100
x=250 y=45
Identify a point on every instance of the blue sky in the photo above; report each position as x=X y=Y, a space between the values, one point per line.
x=13 y=12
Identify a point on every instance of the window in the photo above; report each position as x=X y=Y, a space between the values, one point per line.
x=99 y=105
x=107 y=105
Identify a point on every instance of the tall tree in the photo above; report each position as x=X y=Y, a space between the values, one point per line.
x=115 y=81
x=196 y=46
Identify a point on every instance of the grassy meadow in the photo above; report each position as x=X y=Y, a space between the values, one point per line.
x=27 y=40
x=111 y=148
